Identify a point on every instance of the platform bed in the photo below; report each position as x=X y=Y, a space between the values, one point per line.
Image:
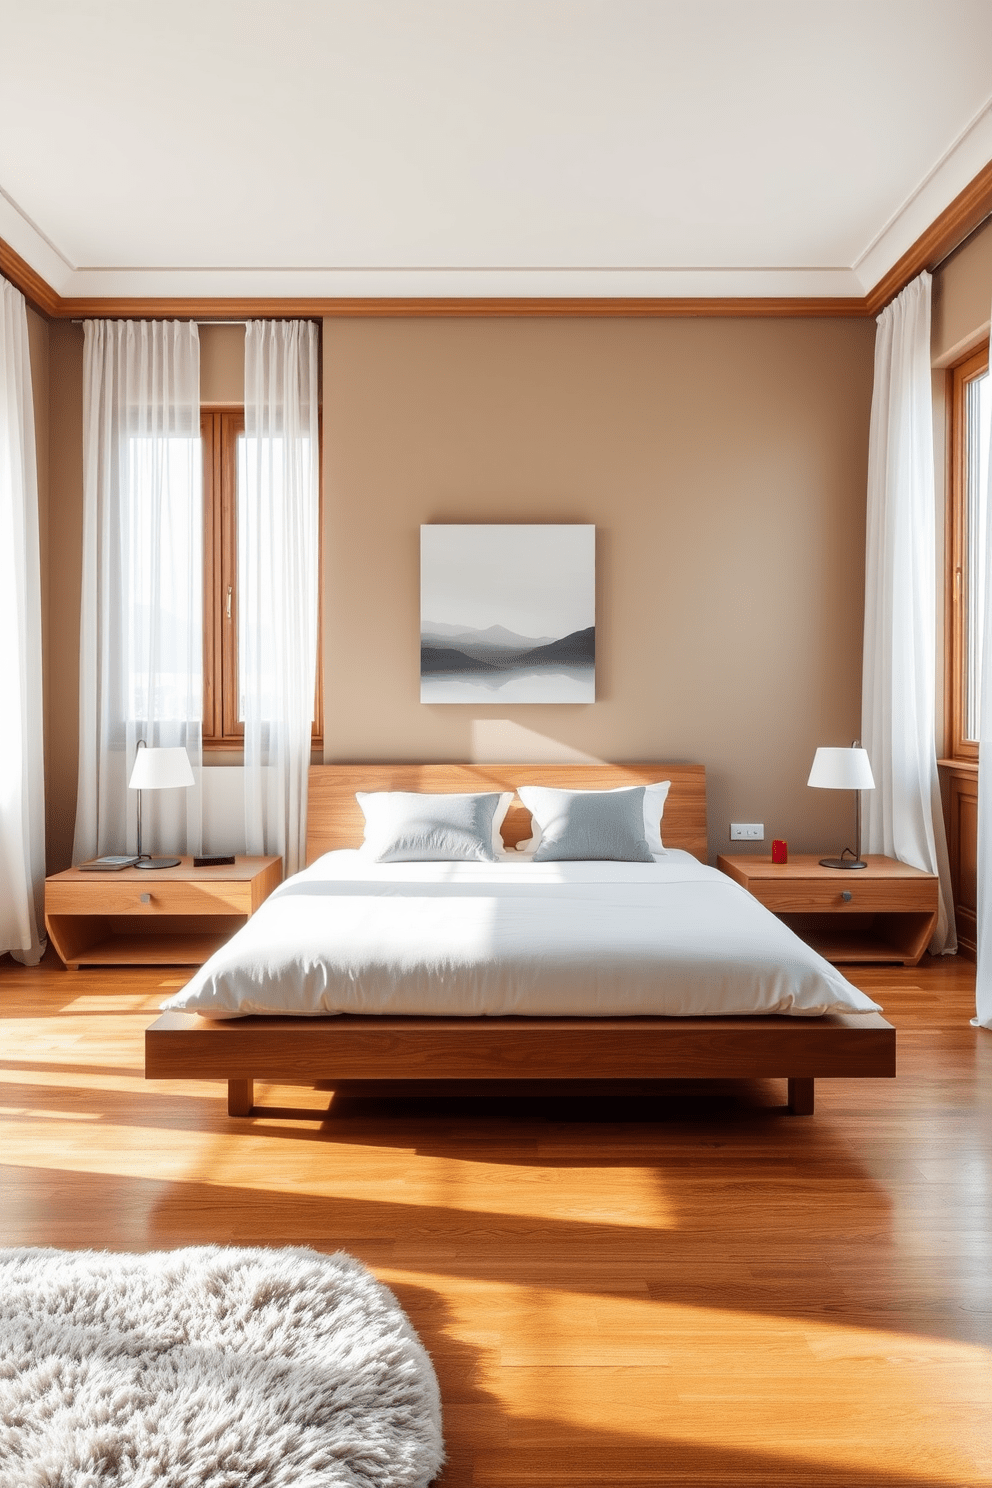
x=323 y=1051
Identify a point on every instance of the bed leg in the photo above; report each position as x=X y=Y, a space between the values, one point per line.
x=241 y=1097
x=801 y=1097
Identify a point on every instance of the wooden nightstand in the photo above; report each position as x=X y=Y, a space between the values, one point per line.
x=885 y=912
x=157 y=917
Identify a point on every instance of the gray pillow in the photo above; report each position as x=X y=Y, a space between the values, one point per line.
x=409 y=827
x=591 y=825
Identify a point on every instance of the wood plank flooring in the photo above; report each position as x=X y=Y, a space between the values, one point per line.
x=677 y=1285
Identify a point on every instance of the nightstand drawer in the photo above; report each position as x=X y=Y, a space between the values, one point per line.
x=872 y=896
x=134 y=897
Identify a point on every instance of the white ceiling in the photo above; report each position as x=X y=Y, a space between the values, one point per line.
x=484 y=147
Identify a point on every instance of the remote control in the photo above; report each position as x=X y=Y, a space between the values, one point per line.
x=213 y=862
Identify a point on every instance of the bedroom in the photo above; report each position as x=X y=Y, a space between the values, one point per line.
x=730 y=610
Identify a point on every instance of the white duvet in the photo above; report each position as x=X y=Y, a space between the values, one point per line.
x=516 y=937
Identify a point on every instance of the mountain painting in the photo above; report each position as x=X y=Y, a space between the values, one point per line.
x=508 y=613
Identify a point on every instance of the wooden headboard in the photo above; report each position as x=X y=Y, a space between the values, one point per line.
x=334 y=817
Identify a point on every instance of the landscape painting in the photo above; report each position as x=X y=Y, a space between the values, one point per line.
x=508 y=613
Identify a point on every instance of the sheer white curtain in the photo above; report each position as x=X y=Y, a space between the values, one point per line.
x=277 y=582
x=903 y=813
x=22 y=782
x=983 y=977
x=141 y=640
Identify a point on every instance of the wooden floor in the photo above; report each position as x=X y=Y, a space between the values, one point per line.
x=674 y=1286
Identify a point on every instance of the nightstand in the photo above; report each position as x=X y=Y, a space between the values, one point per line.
x=162 y=917
x=885 y=912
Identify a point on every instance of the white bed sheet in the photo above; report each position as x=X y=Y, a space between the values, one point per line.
x=672 y=938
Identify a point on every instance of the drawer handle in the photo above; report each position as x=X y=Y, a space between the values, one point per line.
x=147 y=898
x=846 y=895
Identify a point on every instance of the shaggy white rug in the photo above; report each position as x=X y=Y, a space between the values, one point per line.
x=210 y=1368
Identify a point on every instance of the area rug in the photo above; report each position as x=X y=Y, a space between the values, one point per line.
x=210 y=1368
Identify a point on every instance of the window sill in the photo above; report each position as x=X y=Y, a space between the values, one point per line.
x=232 y=752
x=959 y=766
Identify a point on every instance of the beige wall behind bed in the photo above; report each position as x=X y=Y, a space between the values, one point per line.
x=723 y=463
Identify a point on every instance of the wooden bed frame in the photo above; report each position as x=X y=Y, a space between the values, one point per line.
x=326 y=1051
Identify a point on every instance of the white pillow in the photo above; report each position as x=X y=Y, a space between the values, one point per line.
x=414 y=827
x=655 y=797
x=588 y=825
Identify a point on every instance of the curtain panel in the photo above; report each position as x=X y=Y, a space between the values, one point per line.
x=22 y=781
x=278 y=538
x=141 y=632
x=904 y=817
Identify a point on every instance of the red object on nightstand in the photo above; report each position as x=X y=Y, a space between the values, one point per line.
x=780 y=851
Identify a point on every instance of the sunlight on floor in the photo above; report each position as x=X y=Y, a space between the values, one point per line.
x=716 y=1376
x=612 y=1195
x=34 y=1114
x=122 y=1002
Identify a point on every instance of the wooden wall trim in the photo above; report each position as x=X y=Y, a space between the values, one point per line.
x=460 y=308
x=961 y=821
x=947 y=232
x=39 y=295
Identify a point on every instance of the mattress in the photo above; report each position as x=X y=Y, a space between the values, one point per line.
x=671 y=938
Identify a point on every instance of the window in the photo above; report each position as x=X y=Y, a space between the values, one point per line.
x=160 y=536
x=971 y=415
x=223 y=435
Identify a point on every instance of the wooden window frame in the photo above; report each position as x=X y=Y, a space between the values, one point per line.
x=220 y=425
x=960 y=375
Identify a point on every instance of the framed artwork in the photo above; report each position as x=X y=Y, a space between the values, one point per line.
x=508 y=613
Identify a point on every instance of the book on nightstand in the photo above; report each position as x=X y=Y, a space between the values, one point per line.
x=111 y=864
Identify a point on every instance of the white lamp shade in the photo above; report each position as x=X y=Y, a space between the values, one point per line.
x=841 y=769
x=161 y=769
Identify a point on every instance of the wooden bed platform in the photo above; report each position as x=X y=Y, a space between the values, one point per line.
x=312 y=1051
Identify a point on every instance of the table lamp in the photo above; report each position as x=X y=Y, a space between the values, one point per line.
x=844 y=769
x=158 y=769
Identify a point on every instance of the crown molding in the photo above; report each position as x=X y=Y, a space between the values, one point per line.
x=56 y=307
x=948 y=230
x=39 y=294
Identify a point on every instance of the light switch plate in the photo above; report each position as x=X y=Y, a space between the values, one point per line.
x=747 y=831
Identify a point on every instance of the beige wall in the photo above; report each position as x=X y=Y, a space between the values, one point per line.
x=723 y=463
x=222 y=363
x=961 y=298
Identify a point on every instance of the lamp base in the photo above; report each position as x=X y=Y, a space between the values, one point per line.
x=158 y=863
x=826 y=863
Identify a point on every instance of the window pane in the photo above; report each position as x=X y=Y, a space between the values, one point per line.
x=259 y=591
x=162 y=598
x=978 y=403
